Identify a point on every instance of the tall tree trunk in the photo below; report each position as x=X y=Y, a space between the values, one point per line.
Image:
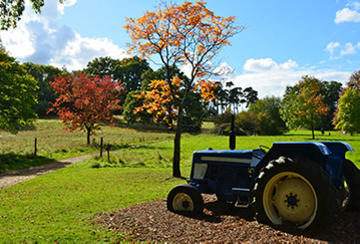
x=312 y=130
x=177 y=143
x=177 y=140
x=176 y=159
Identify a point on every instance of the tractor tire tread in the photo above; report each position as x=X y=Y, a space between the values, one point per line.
x=352 y=177
x=192 y=192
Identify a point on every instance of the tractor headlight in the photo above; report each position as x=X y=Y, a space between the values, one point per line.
x=199 y=171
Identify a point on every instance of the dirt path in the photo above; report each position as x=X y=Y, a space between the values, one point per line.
x=13 y=177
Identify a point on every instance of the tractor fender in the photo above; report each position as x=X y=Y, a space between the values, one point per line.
x=315 y=151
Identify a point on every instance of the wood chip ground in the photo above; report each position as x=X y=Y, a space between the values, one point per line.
x=219 y=223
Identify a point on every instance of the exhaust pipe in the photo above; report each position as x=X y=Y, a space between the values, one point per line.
x=232 y=133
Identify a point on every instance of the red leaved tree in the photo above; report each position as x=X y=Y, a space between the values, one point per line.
x=187 y=34
x=86 y=101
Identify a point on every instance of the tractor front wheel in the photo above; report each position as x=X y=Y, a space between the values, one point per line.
x=185 y=199
x=294 y=191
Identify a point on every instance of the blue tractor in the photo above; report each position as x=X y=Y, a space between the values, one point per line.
x=302 y=184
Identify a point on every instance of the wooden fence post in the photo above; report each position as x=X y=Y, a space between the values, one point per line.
x=35 y=147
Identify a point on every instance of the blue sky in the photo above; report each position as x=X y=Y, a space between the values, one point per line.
x=284 y=39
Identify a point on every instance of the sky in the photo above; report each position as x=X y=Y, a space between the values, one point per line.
x=283 y=40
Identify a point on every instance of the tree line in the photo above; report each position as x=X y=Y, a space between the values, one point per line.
x=311 y=103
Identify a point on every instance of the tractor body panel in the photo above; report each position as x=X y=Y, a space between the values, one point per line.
x=227 y=173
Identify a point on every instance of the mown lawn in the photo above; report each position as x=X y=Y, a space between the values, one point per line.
x=60 y=206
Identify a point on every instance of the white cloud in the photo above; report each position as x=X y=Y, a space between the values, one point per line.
x=348 y=49
x=259 y=65
x=331 y=47
x=18 y=42
x=290 y=64
x=273 y=78
x=275 y=82
x=40 y=39
x=355 y=5
x=267 y=64
x=79 y=51
x=224 y=70
x=347 y=15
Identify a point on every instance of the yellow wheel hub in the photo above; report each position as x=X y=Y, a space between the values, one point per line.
x=289 y=197
x=183 y=202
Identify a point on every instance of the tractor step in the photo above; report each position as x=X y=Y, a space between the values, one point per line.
x=243 y=197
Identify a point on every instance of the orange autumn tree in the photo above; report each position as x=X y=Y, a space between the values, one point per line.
x=160 y=103
x=85 y=102
x=187 y=34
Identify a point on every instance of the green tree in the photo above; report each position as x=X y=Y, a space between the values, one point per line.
x=43 y=74
x=303 y=105
x=348 y=115
x=12 y=10
x=130 y=71
x=103 y=66
x=132 y=102
x=268 y=116
x=247 y=121
x=331 y=92
x=17 y=95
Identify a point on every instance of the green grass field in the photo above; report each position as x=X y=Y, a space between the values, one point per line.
x=54 y=143
x=60 y=206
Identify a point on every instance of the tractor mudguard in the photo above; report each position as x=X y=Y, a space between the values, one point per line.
x=330 y=155
x=314 y=151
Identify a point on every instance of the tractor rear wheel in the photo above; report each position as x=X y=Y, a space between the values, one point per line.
x=185 y=199
x=297 y=192
x=352 y=180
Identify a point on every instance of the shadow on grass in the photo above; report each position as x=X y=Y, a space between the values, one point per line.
x=12 y=161
x=347 y=139
x=145 y=145
x=344 y=229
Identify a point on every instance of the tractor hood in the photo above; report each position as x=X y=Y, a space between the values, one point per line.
x=246 y=157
